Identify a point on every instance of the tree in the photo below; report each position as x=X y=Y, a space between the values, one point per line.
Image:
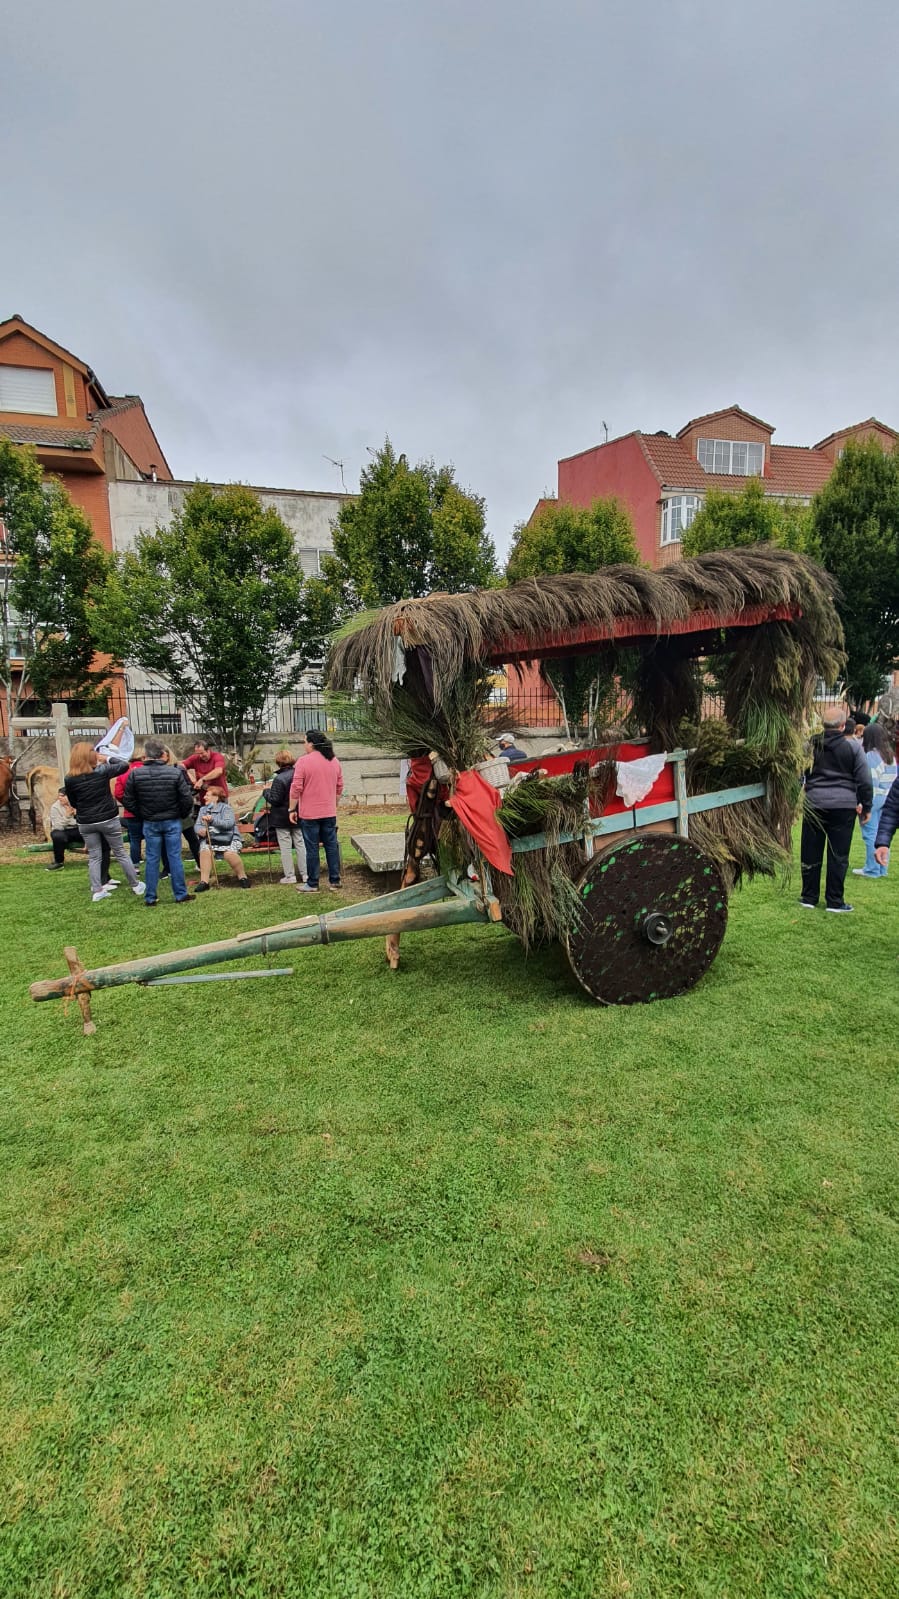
x=725 y=521
x=856 y=523
x=216 y=603
x=574 y=538
x=49 y=564
x=411 y=531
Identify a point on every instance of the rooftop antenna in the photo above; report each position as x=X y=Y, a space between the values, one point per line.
x=605 y=428
x=339 y=465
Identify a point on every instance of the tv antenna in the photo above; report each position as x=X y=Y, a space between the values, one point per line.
x=605 y=428
x=339 y=465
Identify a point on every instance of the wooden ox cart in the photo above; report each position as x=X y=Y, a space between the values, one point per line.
x=637 y=891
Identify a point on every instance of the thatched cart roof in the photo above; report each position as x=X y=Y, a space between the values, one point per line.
x=550 y=616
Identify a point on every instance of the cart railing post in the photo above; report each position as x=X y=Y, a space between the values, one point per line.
x=678 y=760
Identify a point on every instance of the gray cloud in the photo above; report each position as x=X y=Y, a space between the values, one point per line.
x=481 y=227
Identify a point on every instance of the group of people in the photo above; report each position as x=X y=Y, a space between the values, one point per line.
x=163 y=803
x=852 y=776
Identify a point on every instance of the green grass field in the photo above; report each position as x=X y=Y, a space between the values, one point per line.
x=448 y=1282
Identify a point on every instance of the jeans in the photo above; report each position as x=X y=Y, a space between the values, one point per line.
x=832 y=829
x=159 y=836
x=290 y=839
x=321 y=829
x=63 y=838
x=869 y=833
x=95 y=834
x=135 y=830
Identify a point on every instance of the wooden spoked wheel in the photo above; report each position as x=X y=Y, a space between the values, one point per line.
x=653 y=915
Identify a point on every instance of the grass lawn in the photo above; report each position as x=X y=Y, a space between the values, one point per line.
x=448 y=1283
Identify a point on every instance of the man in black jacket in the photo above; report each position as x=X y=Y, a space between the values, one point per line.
x=289 y=836
x=886 y=827
x=161 y=796
x=838 y=788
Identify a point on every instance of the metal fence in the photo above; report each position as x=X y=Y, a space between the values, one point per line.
x=529 y=705
x=156 y=710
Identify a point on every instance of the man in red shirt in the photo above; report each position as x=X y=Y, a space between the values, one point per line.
x=204 y=767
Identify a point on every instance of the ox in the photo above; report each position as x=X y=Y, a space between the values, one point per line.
x=43 y=785
x=8 y=786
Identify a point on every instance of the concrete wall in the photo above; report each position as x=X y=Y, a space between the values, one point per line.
x=136 y=507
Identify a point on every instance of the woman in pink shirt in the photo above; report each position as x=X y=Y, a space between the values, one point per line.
x=316 y=787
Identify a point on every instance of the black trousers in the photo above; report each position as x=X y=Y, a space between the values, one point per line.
x=833 y=830
x=63 y=838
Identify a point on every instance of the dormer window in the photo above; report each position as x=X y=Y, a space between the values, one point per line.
x=27 y=390
x=734 y=457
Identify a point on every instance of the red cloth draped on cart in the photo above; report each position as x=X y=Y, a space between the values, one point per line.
x=476 y=803
x=418 y=775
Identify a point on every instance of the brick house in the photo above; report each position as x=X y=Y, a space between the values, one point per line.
x=103 y=449
x=662 y=479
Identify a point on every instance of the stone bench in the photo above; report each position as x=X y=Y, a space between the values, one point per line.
x=381 y=852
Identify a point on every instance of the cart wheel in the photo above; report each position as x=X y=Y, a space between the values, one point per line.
x=653 y=914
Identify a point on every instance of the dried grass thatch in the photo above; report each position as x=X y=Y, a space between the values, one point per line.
x=454 y=632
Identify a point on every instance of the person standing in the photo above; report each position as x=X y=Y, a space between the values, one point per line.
x=64 y=835
x=881 y=758
x=289 y=834
x=88 y=791
x=132 y=823
x=160 y=795
x=838 y=788
x=316 y=787
x=889 y=821
x=205 y=766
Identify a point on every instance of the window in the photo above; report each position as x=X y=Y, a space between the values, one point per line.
x=677 y=513
x=169 y=722
x=736 y=457
x=30 y=389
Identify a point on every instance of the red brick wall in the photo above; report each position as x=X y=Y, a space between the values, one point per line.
x=620 y=469
x=727 y=427
x=136 y=437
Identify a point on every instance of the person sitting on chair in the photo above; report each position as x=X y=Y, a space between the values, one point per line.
x=219 y=838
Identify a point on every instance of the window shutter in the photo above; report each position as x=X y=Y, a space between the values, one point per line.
x=27 y=390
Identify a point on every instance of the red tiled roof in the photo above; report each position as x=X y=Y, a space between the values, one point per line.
x=871 y=422
x=58 y=438
x=796 y=470
x=792 y=468
x=727 y=410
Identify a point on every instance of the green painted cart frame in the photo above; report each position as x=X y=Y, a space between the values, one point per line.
x=667 y=926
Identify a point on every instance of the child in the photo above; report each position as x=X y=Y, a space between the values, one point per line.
x=881 y=757
x=219 y=838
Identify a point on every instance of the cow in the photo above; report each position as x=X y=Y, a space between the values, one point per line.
x=8 y=786
x=43 y=786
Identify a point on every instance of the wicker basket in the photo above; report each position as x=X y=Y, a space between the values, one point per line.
x=495 y=772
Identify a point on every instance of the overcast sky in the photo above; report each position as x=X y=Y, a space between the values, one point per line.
x=482 y=227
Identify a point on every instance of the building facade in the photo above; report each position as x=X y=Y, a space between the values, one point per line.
x=103 y=449
x=662 y=478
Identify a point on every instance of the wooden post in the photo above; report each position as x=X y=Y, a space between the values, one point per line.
x=59 y=726
x=679 y=762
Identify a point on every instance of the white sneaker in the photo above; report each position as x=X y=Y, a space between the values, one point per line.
x=139 y=889
x=113 y=883
x=286 y=879
x=103 y=894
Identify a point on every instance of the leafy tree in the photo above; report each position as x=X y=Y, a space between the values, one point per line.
x=726 y=521
x=573 y=538
x=856 y=522
x=49 y=563
x=216 y=603
x=411 y=531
